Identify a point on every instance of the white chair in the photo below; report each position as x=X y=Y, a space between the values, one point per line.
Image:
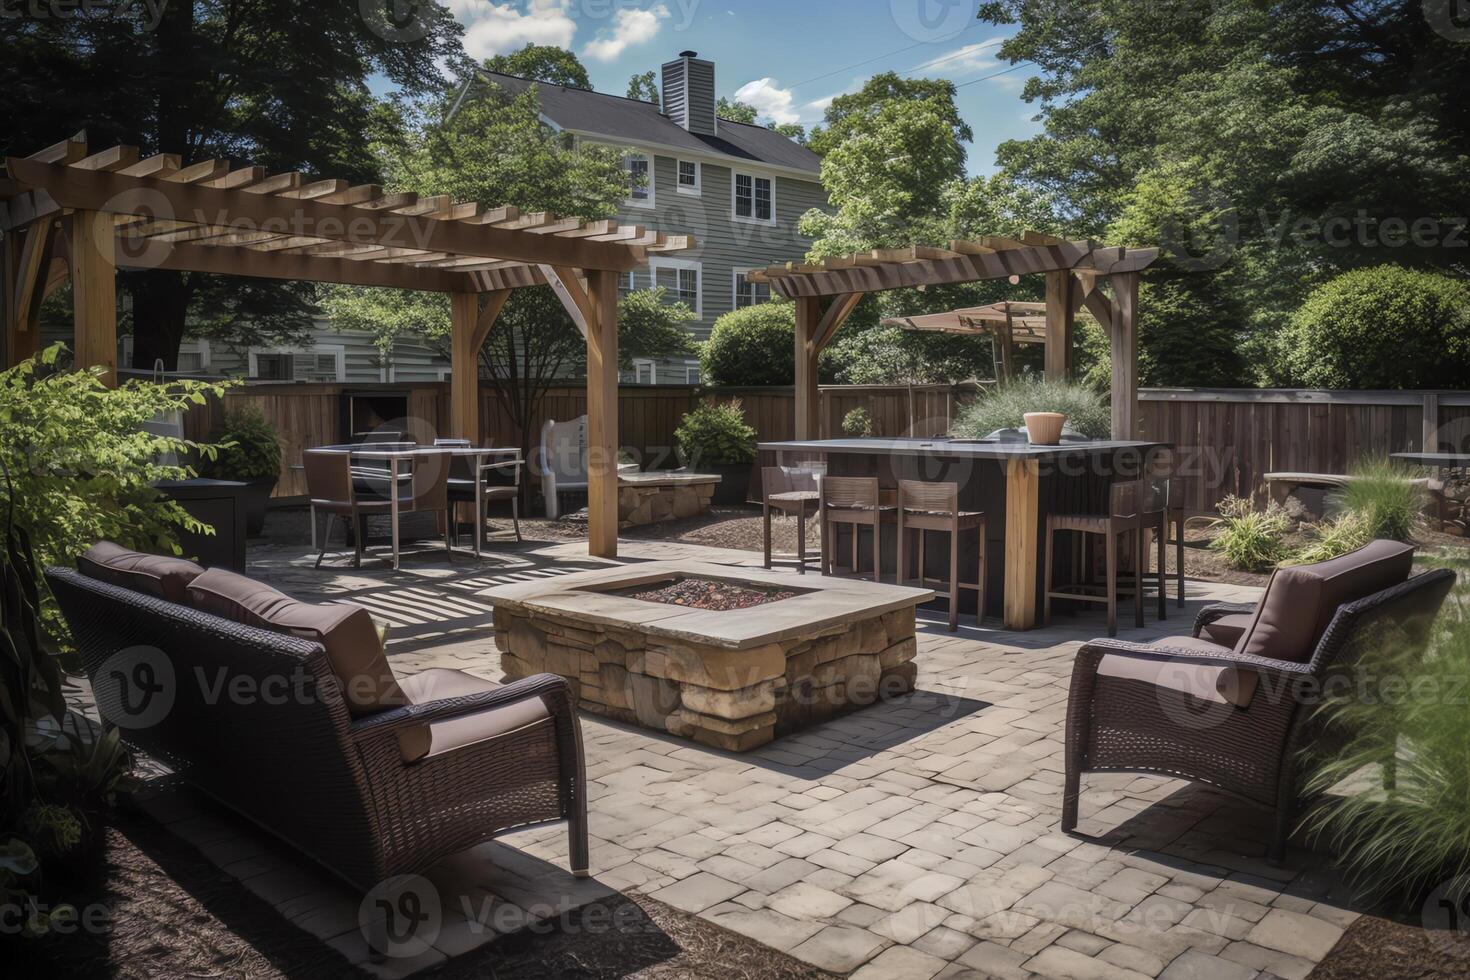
x=562 y=461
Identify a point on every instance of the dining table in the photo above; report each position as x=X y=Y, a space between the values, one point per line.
x=391 y=455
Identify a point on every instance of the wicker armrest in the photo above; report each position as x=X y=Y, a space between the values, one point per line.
x=551 y=688
x=1215 y=610
x=1093 y=651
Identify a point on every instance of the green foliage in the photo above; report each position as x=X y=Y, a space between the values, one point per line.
x=1384 y=495
x=82 y=467
x=543 y=62
x=894 y=356
x=644 y=87
x=1249 y=539
x=752 y=346
x=715 y=435
x=1332 y=538
x=851 y=112
x=1006 y=406
x=859 y=422
x=1386 y=327
x=650 y=326
x=735 y=110
x=248 y=449
x=1403 y=841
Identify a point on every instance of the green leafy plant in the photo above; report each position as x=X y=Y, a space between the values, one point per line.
x=249 y=448
x=82 y=465
x=859 y=422
x=751 y=347
x=1401 y=836
x=716 y=435
x=1249 y=539
x=1385 y=497
x=1006 y=407
x=1334 y=537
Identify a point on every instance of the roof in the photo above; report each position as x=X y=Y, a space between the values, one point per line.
x=637 y=122
x=207 y=217
x=1026 y=321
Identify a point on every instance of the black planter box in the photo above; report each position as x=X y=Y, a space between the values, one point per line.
x=220 y=504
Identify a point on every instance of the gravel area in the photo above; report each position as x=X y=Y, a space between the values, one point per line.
x=706 y=593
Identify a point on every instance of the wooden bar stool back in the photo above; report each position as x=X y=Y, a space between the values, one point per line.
x=791 y=490
x=856 y=502
x=925 y=507
x=1124 y=517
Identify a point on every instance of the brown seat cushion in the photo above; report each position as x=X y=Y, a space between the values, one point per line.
x=347 y=631
x=1227 y=630
x=157 y=575
x=1207 y=682
x=435 y=738
x=1301 y=600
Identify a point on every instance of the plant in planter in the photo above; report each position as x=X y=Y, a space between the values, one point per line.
x=249 y=451
x=1006 y=408
x=716 y=439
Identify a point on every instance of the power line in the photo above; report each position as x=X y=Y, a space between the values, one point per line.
x=869 y=61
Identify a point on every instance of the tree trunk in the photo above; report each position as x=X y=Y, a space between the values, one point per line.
x=160 y=305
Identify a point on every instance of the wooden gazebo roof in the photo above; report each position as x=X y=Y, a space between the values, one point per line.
x=1025 y=321
x=243 y=221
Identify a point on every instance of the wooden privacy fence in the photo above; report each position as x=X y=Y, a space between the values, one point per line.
x=1226 y=439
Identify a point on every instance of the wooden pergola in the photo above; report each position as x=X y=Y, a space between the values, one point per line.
x=1006 y=323
x=826 y=293
x=71 y=213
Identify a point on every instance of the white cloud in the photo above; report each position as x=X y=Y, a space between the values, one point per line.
x=963 y=61
x=770 y=100
x=500 y=28
x=630 y=26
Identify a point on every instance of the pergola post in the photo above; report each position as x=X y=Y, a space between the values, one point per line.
x=94 y=292
x=470 y=323
x=808 y=418
x=1123 y=337
x=1060 y=321
x=602 y=413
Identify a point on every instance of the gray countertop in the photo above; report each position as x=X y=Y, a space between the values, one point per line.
x=948 y=447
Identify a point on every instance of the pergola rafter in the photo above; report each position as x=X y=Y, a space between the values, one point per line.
x=828 y=290
x=69 y=211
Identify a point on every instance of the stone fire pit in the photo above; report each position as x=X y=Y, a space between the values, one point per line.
x=781 y=653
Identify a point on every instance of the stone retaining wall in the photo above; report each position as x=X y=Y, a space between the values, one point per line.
x=650 y=503
x=730 y=699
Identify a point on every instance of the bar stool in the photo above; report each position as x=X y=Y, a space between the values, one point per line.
x=1162 y=507
x=1124 y=516
x=1174 y=517
x=925 y=507
x=792 y=490
x=854 y=501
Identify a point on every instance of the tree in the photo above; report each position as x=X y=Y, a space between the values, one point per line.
x=644 y=87
x=543 y=63
x=1386 y=327
x=735 y=110
x=221 y=79
x=792 y=131
x=852 y=112
x=753 y=346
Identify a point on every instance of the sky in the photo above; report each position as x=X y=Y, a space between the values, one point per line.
x=788 y=58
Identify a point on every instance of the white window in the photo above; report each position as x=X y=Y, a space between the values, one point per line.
x=640 y=180
x=749 y=293
x=272 y=367
x=322 y=362
x=627 y=283
x=645 y=372
x=681 y=278
x=691 y=373
x=755 y=198
x=688 y=177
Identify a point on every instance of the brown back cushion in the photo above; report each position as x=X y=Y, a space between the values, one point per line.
x=347 y=631
x=1301 y=600
x=157 y=575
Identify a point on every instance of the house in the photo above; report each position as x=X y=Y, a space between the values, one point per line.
x=739 y=189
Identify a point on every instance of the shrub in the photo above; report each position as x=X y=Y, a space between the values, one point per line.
x=1249 y=539
x=716 y=435
x=751 y=347
x=1005 y=408
x=859 y=422
x=249 y=448
x=1386 y=327
x=1336 y=536
x=1385 y=497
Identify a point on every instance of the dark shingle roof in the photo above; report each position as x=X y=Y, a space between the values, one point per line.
x=631 y=121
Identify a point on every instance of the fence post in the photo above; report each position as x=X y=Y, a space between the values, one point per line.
x=1430 y=442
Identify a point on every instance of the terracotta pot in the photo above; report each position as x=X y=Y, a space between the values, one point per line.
x=1044 y=428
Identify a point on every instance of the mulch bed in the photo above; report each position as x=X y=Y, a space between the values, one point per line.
x=172 y=913
x=707 y=593
x=1374 y=948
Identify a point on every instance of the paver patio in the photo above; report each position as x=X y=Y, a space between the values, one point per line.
x=913 y=839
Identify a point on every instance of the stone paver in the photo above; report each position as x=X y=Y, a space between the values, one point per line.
x=913 y=838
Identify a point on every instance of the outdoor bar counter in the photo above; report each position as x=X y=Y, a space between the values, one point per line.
x=1015 y=484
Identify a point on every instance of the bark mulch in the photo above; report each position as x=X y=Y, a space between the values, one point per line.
x=1375 y=948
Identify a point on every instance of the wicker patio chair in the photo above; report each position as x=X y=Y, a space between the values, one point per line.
x=368 y=790
x=1239 y=718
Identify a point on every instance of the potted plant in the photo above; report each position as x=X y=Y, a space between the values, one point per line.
x=1044 y=428
x=716 y=439
x=250 y=452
